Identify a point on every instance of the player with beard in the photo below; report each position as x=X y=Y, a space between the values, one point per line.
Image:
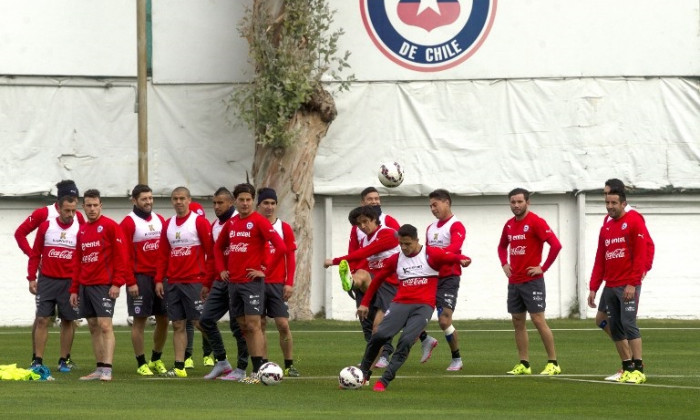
x=217 y=304
x=186 y=261
x=245 y=236
x=416 y=267
x=100 y=270
x=142 y=228
x=53 y=250
x=525 y=235
x=64 y=188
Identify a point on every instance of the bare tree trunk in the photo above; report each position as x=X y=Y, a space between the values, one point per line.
x=290 y=172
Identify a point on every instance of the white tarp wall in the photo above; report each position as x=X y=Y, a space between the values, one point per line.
x=558 y=97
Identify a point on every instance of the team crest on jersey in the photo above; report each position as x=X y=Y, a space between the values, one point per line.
x=249 y=225
x=526 y=228
x=624 y=226
x=151 y=228
x=100 y=229
x=63 y=235
x=428 y=35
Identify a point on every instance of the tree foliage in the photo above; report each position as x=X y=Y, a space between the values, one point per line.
x=294 y=50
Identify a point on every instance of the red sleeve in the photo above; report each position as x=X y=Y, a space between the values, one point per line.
x=392 y=223
x=638 y=250
x=271 y=235
x=503 y=247
x=128 y=227
x=164 y=253
x=598 y=265
x=386 y=240
x=554 y=248
x=204 y=232
x=119 y=259
x=28 y=226
x=650 y=247
x=37 y=250
x=384 y=273
x=290 y=260
x=457 y=236
x=77 y=258
x=438 y=257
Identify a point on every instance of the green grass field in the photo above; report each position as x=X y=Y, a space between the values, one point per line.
x=322 y=348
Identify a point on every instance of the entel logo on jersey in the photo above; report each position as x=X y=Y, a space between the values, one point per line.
x=428 y=35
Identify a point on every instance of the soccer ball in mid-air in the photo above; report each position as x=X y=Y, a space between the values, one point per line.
x=351 y=377
x=390 y=174
x=270 y=373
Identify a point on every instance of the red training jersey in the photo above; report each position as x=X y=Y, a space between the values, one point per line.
x=526 y=239
x=283 y=270
x=185 y=250
x=142 y=239
x=32 y=222
x=100 y=255
x=449 y=235
x=374 y=249
x=651 y=248
x=53 y=249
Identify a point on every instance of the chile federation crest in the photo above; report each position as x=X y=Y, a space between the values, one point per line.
x=428 y=35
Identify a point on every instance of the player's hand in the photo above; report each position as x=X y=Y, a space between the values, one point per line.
x=114 y=292
x=591 y=299
x=159 y=290
x=328 y=262
x=133 y=290
x=287 y=293
x=253 y=273
x=506 y=269
x=73 y=300
x=32 y=287
x=224 y=275
x=534 y=271
x=629 y=293
x=362 y=312
x=204 y=293
x=465 y=263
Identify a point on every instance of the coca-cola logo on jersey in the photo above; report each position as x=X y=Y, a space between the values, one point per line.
x=65 y=254
x=91 y=257
x=618 y=253
x=151 y=246
x=87 y=245
x=182 y=251
x=239 y=247
x=415 y=282
x=518 y=250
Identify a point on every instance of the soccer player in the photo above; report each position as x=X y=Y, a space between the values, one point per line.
x=601 y=318
x=416 y=268
x=99 y=271
x=217 y=304
x=621 y=261
x=279 y=280
x=31 y=223
x=53 y=250
x=524 y=235
x=185 y=260
x=142 y=228
x=448 y=233
x=245 y=236
x=370 y=197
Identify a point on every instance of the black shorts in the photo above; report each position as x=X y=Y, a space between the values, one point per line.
x=95 y=302
x=275 y=306
x=529 y=296
x=147 y=303
x=247 y=298
x=384 y=296
x=51 y=293
x=447 y=291
x=184 y=301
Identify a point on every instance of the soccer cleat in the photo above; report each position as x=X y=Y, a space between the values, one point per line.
x=636 y=377
x=221 y=368
x=428 y=345
x=625 y=375
x=189 y=363
x=381 y=363
x=292 y=372
x=345 y=277
x=106 y=375
x=157 y=366
x=252 y=379
x=235 y=375
x=208 y=360
x=455 y=365
x=96 y=375
x=71 y=364
x=379 y=387
x=144 y=370
x=64 y=367
x=551 y=369
x=520 y=369
x=176 y=373
x=615 y=377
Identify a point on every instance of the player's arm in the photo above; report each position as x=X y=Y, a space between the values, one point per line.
x=554 y=249
x=35 y=257
x=438 y=257
x=128 y=228
x=386 y=240
x=271 y=235
x=503 y=251
x=457 y=236
x=28 y=226
x=388 y=270
x=77 y=265
x=290 y=256
x=222 y=242
x=163 y=259
x=598 y=271
x=204 y=232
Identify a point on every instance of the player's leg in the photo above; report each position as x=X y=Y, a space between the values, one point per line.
x=263 y=329
x=386 y=330
x=242 y=349
x=446 y=301
x=252 y=294
x=41 y=335
x=215 y=307
x=634 y=338
x=189 y=347
x=68 y=316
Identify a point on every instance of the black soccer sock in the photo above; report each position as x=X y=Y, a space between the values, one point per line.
x=156 y=355
x=525 y=363
x=140 y=360
x=187 y=355
x=554 y=362
x=107 y=365
x=628 y=365
x=455 y=354
x=257 y=362
x=61 y=360
x=423 y=335
x=288 y=363
x=38 y=360
x=638 y=365
x=100 y=365
x=265 y=361
x=179 y=365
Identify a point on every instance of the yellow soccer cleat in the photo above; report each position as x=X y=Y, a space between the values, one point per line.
x=157 y=367
x=551 y=369
x=144 y=370
x=520 y=369
x=345 y=276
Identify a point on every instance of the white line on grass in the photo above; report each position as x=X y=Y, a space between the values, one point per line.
x=644 y=385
